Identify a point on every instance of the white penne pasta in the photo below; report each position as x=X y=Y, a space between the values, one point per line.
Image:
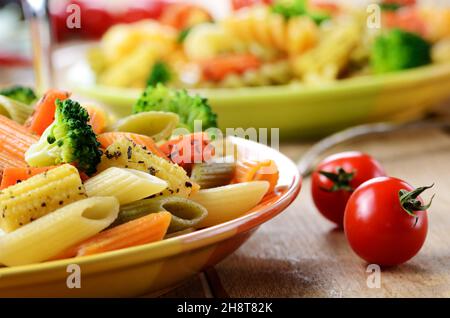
x=229 y=202
x=127 y=185
x=156 y=124
x=46 y=237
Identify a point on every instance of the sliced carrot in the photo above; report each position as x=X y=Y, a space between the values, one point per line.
x=188 y=149
x=147 y=229
x=97 y=118
x=257 y=171
x=14 y=141
x=14 y=175
x=106 y=139
x=44 y=111
x=216 y=69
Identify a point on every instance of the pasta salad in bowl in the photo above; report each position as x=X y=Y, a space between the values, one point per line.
x=299 y=65
x=138 y=204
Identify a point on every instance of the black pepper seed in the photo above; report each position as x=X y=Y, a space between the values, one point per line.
x=129 y=152
x=43 y=204
x=152 y=171
x=188 y=184
x=61 y=202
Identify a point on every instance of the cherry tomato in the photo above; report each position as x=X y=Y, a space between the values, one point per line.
x=385 y=221
x=336 y=177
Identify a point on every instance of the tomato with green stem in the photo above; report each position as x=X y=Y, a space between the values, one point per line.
x=386 y=221
x=336 y=177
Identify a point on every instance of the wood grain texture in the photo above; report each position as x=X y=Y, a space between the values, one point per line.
x=300 y=254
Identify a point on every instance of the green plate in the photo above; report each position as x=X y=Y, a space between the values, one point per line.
x=300 y=111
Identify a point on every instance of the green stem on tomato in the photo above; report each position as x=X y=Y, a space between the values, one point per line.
x=410 y=203
x=341 y=180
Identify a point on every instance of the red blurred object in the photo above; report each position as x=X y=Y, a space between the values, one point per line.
x=400 y=2
x=407 y=18
x=13 y=60
x=238 y=4
x=96 y=18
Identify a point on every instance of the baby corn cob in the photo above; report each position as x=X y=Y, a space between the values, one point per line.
x=29 y=200
x=123 y=153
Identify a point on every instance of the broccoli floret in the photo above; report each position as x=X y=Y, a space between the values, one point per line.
x=294 y=8
x=289 y=9
x=19 y=93
x=189 y=108
x=160 y=74
x=69 y=139
x=399 y=50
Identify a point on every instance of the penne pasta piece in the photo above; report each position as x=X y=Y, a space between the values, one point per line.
x=185 y=213
x=211 y=175
x=15 y=110
x=265 y=170
x=126 y=154
x=127 y=185
x=147 y=229
x=55 y=232
x=15 y=140
x=229 y=202
x=15 y=175
x=98 y=118
x=156 y=124
x=44 y=111
x=33 y=198
x=108 y=138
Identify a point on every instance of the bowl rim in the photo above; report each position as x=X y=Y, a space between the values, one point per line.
x=190 y=241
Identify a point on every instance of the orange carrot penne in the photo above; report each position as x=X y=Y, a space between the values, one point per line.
x=13 y=175
x=257 y=171
x=44 y=111
x=106 y=139
x=147 y=229
x=14 y=142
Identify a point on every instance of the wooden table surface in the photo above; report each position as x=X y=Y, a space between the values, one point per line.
x=300 y=254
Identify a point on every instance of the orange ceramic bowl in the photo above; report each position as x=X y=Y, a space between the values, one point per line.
x=156 y=267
